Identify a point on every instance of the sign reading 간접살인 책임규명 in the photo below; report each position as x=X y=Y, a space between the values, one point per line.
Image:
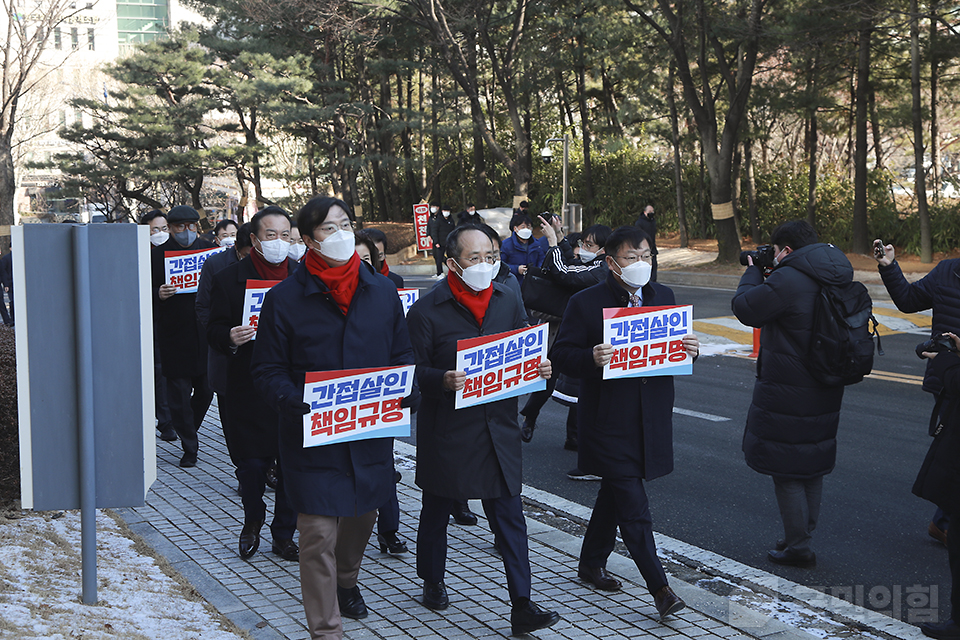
x=502 y=365
x=182 y=268
x=647 y=341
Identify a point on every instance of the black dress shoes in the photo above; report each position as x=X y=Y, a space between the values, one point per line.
x=529 y=617
x=435 y=596
x=250 y=539
x=188 y=460
x=351 y=603
x=167 y=433
x=598 y=577
x=286 y=549
x=462 y=515
x=792 y=558
x=948 y=630
x=526 y=431
x=271 y=477
x=667 y=602
x=391 y=543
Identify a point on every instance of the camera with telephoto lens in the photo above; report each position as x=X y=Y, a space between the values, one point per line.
x=762 y=257
x=936 y=344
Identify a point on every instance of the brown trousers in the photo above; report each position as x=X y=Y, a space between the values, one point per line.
x=331 y=550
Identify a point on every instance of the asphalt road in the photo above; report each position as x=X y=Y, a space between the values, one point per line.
x=871 y=541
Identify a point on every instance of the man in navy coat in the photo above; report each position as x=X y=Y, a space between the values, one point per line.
x=625 y=424
x=472 y=452
x=330 y=315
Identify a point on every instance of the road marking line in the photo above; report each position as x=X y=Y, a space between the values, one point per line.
x=702 y=416
x=714 y=328
x=890 y=376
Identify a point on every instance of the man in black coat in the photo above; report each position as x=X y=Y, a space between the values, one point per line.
x=249 y=423
x=183 y=350
x=648 y=224
x=625 y=424
x=6 y=286
x=439 y=227
x=472 y=452
x=469 y=216
x=791 y=431
x=939 y=290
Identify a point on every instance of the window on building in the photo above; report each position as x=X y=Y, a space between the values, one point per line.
x=57 y=39
x=91 y=44
x=74 y=38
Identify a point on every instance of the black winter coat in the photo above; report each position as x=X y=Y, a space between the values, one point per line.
x=183 y=347
x=939 y=477
x=938 y=290
x=625 y=425
x=462 y=453
x=302 y=329
x=439 y=228
x=216 y=361
x=792 y=422
x=251 y=428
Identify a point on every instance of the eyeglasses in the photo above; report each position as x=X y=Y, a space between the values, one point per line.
x=333 y=228
x=587 y=245
x=489 y=259
x=646 y=257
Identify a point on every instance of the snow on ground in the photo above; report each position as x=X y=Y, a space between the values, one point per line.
x=40 y=586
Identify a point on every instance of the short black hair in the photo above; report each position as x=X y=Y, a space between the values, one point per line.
x=257 y=220
x=223 y=224
x=518 y=219
x=314 y=213
x=151 y=215
x=600 y=233
x=243 y=236
x=625 y=236
x=491 y=233
x=468 y=206
x=372 y=248
x=453 y=239
x=376 y=235
x=574 y=238
x=524 y=204
x=794 y=234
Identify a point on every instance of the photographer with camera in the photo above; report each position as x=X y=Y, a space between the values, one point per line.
x=939 y=477
x=939 y=290
x=792 y=422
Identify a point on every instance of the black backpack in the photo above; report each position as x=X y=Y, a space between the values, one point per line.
x=841 y=340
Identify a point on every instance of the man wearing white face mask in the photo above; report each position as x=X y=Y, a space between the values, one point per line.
x=521 y=251
x=439 y=227
x=159 y=233
x=225 y=233
x=625 y=428
x=470 y=453
x=331 y=314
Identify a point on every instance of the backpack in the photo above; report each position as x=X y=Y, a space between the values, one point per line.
x=841 y=341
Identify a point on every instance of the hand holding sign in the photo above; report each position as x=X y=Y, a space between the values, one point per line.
x=242 y=335
x=602 y=354
x=167 y=291
x=454 y=380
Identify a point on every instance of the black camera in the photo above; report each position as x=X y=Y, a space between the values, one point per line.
x=936 y=344
x=762 y=257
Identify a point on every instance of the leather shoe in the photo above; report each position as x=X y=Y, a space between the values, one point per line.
x=462 y=515
x=938 y=534
x=286 y=549
x=571 y=445
x=167 y=433
x=351 y=603
x=250 y=539
x=667 y=602
x=529 y=617
x=948 y=630
x=792 y=558
x=598 y=577
x=781 y=545
x=435 y=596
x=391 y=543
x=188 y=460
x=526 y=431
x=271 y=477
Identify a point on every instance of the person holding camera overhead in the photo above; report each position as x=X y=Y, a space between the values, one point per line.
x=792 y=422
x=938 y=290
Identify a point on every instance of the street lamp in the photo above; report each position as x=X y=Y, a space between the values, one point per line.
x=547 y=155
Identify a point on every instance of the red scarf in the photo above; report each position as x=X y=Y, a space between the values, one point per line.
x=341 y=281
x=384 y=269
x=475 y=303
x=266 y=270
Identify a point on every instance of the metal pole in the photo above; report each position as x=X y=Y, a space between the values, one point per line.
x=566 y=160
x=88 y=470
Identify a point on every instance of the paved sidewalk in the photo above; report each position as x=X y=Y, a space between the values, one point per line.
x=193 y=518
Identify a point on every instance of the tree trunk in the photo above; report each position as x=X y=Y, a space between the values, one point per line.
x=919 y=178
x=861 y=242
x=813 y=141
x=479 y=155
x=584 y=129
x=751 y=190
x=677 y=163
x=934 y=99
x=875 y=127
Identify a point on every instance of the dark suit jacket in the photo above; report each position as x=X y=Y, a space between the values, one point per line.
x=472 y=452
x=626 y=424
x=216 y=361
x=251 y=430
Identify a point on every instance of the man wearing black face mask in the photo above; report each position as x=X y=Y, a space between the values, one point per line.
x=183 y=350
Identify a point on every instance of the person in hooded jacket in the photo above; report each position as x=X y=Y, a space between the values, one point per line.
x=521 y=251
x=791 y=431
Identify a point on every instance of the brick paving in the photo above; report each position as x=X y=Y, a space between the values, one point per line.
x=193 y=518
